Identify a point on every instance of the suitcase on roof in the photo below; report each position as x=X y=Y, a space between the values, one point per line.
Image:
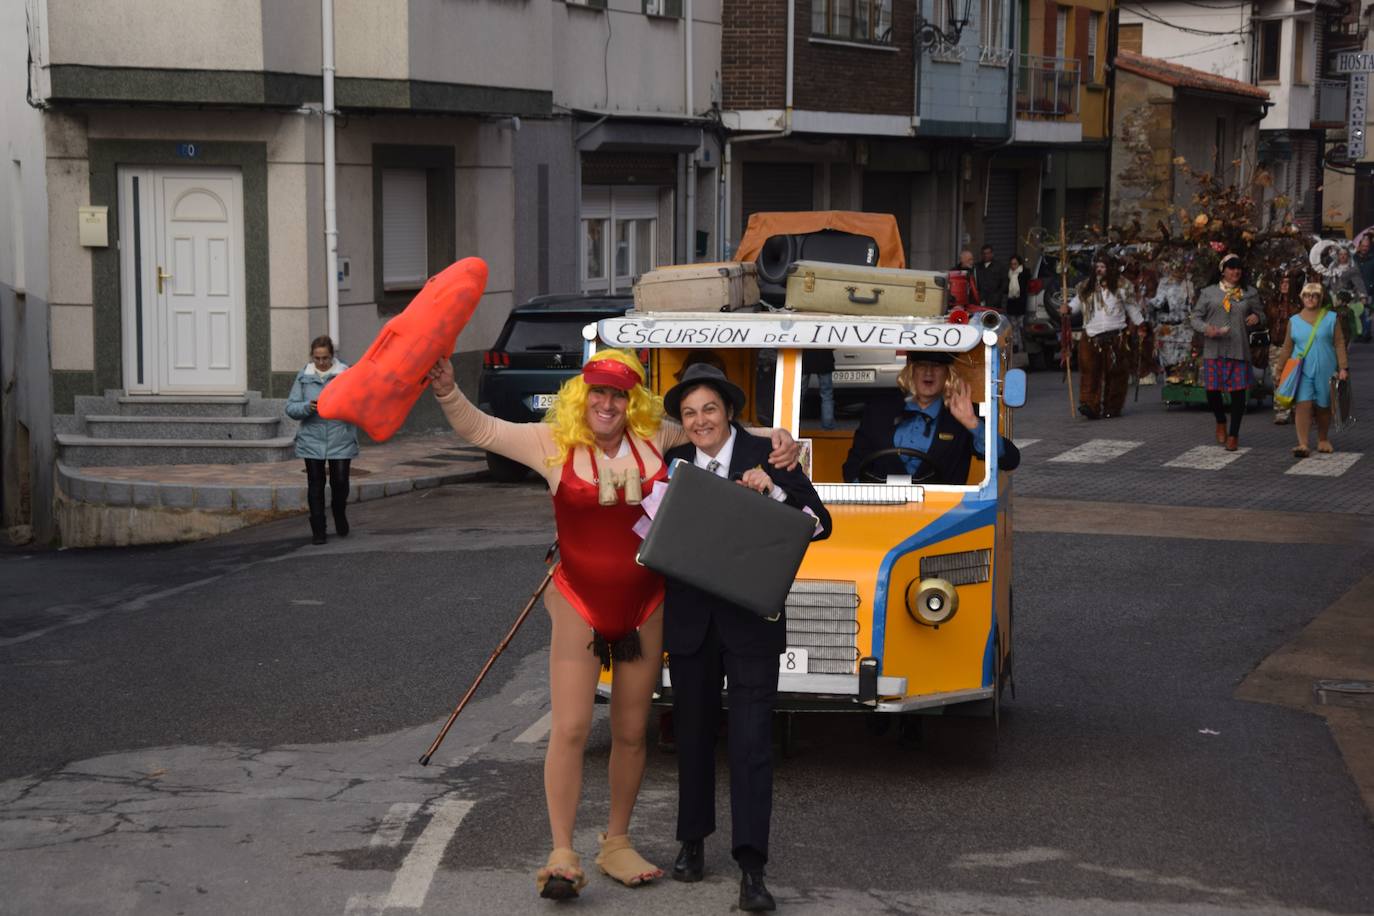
x=846 y=289
x=724 y=286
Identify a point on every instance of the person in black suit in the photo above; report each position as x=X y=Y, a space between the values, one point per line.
x=929 y=429
x=707 y=637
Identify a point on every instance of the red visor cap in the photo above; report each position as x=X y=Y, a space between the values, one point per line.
x=611 y=374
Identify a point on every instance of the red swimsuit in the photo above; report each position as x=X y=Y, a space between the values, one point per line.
x=598 y=573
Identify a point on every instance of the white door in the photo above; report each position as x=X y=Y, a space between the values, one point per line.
x=182 y=278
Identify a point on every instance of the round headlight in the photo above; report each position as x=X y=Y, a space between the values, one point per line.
x=931 y=602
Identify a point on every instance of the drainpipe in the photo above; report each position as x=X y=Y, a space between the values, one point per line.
x=691 y=225
x=726 y=159
x=331 y=217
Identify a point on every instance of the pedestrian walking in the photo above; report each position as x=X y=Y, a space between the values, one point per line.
x=1317 y=331
x=1282 y=303
x=1173 y=334
x=990 y=277
x=1364 y=263
x=328 y=446
x=1017 y=294
x=1349 y=293
x=1106 y=356
x=1223 y=314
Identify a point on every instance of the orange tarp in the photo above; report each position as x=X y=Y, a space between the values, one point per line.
x=881 y=227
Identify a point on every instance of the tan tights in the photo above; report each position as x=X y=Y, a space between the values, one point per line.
x=1302 y=420
x=573 y=673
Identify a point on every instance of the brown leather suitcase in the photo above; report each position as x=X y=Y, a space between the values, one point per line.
x=724 y=286
x=727 y=540
x=848 y=289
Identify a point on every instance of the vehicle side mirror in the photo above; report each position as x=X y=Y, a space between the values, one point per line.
x=1014 y=388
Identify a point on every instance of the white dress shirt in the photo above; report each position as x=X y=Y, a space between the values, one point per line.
x=727 y=451
x=1107 y=310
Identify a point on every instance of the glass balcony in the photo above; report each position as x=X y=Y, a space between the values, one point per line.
x=1047 y=87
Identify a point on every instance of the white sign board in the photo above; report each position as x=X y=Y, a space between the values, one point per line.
x=1355 y=62
x=1355 y=126
x=768 y=331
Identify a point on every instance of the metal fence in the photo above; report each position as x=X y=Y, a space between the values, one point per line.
x=1047 y=85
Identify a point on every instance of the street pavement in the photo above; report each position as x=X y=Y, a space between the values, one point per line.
x=232 y=726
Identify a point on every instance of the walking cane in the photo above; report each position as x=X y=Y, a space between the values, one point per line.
x=443 y=732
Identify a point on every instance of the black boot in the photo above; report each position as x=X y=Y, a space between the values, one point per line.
x=753 y=893
x=314 y=497
x=340 y=520
x=317 y=528
x=690 y=864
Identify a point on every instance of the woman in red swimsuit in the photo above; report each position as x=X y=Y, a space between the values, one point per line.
x=604 y=435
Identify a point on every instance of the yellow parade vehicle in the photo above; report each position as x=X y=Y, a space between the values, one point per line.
x=907 y=606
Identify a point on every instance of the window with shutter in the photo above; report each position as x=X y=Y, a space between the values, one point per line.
x=405 y=259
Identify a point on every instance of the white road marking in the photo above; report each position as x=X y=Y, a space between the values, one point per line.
x=393 y=825
x=1023 y=443
x=1320 y=465
x=411 y=884
x=536 y=732
x=364 y=905
x=1097 y=451
x=1205 y=458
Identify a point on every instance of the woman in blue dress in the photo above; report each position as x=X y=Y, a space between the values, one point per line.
x=1325 y=357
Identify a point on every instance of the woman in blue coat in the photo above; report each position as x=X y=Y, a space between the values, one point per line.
x=324 y=444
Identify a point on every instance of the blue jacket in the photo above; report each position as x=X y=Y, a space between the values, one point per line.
x=318 y=437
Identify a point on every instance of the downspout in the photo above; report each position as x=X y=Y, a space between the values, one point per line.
x=691 y=226
x=1109 y=129
x=726 y=159
x=331 y=216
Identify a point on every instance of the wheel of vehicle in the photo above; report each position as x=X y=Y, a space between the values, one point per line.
x=503 y=470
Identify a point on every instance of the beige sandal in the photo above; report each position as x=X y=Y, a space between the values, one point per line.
x=561 y=877
x=619 y=860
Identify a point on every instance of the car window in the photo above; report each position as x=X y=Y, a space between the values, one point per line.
x=546 y=333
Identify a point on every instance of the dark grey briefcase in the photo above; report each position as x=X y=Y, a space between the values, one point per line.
x=727 y=540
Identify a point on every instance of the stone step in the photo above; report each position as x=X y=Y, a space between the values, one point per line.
x=137 y=405
x=217 y=428
x=87 y=451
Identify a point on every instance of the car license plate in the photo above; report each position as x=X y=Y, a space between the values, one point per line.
x=793 y=661
x=862 y=376
x=541 y=401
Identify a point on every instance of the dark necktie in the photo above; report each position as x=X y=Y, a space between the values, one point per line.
x=713 y=465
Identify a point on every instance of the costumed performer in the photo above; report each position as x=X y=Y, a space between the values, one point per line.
x=1224 y=313
x=599 y=448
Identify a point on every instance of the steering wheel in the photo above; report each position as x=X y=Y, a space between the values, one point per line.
x=864 y=474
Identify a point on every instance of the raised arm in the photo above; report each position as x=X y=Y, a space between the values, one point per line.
x=528 y=443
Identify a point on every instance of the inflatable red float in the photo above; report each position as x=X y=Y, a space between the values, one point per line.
x=377 y=392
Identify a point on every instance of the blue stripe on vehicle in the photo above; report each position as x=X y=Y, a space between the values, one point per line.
x=969 y=515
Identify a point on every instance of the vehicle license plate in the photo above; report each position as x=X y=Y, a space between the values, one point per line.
x=863 y=376
x=793 y=661
x=541 y=401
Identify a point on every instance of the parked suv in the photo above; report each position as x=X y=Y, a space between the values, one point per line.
x=539 y=347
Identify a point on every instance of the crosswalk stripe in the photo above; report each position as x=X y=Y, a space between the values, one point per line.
x=411 y=884
x=1023 y=443
x=1205 y=458
x=1321 y=465
x=393 y=825
x=1097 y=451
x=536 y=732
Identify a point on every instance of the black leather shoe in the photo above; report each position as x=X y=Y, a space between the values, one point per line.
x=753 y=894
x=1087 y=412
x=691 y=862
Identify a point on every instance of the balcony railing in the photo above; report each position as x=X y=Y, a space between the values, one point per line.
x=1331 y=102
x=1047 y=86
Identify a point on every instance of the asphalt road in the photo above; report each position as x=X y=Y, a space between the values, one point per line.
x=233 y=727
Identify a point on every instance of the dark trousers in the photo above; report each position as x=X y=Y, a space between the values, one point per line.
x=1237 y=408
x=315 y=470
x=696 y=719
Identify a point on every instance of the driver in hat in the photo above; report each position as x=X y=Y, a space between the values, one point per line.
x=928 y=431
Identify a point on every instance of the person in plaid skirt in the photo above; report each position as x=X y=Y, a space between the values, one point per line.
x=1224 y=314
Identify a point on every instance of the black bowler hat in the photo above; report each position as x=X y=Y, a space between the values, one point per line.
x=703 y=373
x=940 y=357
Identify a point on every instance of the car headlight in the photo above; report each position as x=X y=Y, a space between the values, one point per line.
x=931 y=602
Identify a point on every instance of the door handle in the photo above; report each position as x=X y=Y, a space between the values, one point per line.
x=161 y=275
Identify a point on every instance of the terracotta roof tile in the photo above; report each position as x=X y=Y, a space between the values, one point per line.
x=1182 y=77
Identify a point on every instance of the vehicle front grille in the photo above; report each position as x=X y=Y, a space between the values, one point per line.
x=822 y=618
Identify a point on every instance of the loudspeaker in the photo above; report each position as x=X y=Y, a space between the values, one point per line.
x=779 y=252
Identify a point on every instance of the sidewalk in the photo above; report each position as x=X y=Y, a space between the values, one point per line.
x=119 y=506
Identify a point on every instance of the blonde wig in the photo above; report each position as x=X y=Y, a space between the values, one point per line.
x=568 y=415
x=906 y=379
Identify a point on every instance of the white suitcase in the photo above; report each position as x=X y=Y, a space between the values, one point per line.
x=848 y=289
x=724 y=286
